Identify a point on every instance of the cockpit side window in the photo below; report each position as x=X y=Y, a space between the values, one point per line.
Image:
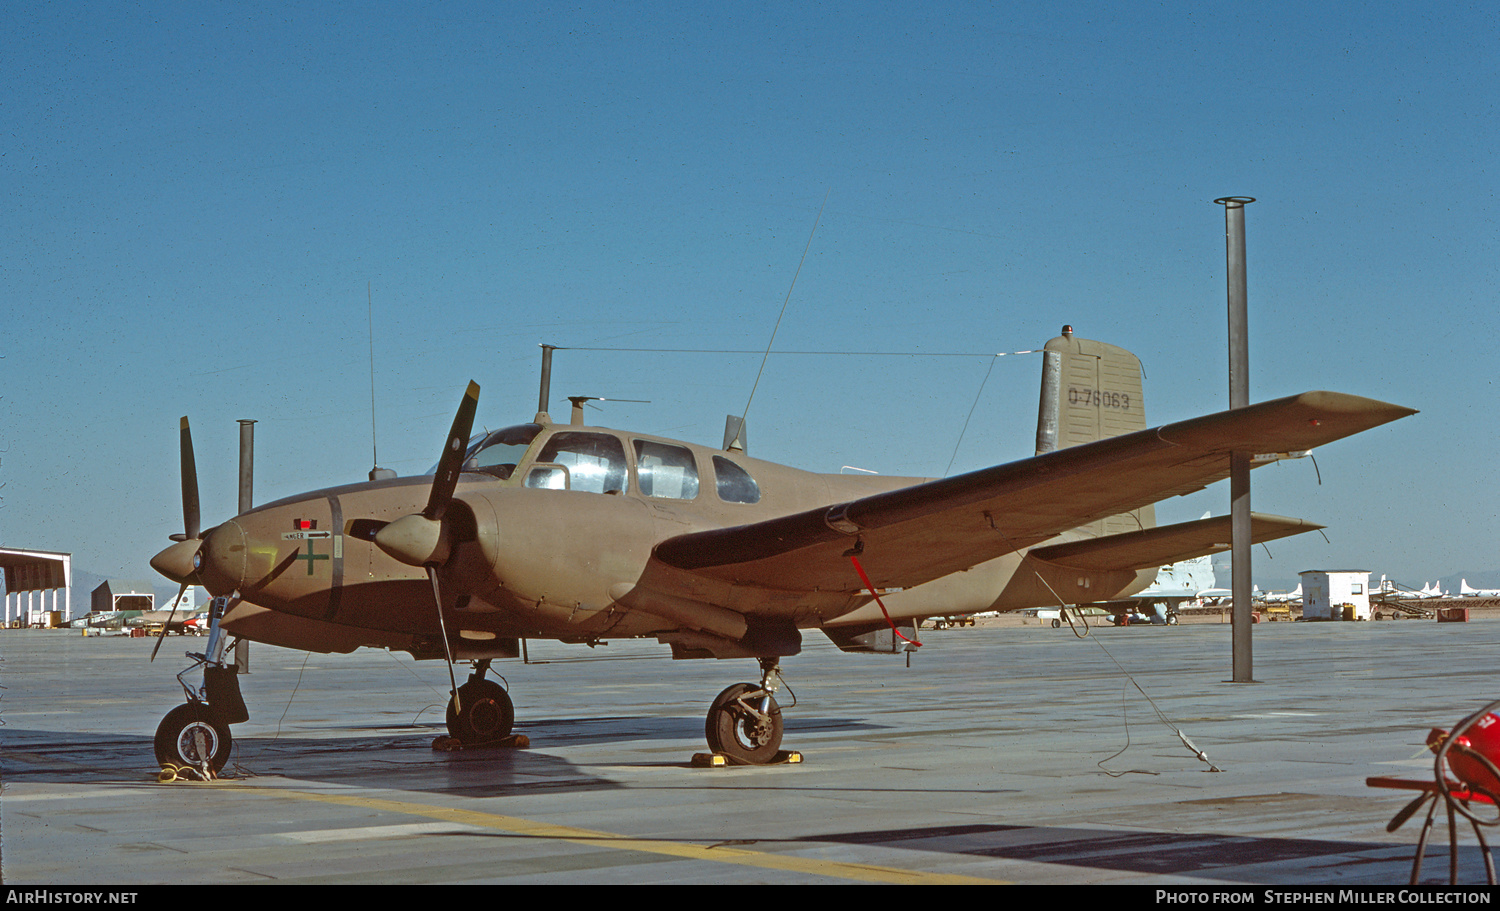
x=500 y=452
x=666 y=471
x=734 y=483
x=595 y=461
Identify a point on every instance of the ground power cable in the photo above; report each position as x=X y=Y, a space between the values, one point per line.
x=240 y=767
x=1130 y=678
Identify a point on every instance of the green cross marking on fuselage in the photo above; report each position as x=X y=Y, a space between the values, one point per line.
x=310 y=556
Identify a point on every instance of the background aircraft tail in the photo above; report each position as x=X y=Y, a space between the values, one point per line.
x=1091 y=391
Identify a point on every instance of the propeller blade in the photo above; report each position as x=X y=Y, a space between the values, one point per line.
x=446 y=477
x=165 y=626
x=437 y=599
x=190 y=519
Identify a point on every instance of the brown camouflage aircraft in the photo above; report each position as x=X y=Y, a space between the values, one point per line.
x=581 y=534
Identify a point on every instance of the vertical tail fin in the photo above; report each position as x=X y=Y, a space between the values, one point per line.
x=1091 y=391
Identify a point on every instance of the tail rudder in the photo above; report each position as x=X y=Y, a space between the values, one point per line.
x=1091 y=391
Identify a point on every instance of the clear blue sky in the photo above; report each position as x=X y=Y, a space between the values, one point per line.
x=197 y=196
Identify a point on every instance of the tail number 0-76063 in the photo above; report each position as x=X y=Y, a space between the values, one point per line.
x=1098 y=398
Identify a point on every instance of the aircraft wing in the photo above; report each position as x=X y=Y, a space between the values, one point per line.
x=916 y=534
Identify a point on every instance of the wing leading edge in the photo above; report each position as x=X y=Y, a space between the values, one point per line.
x=916 y=534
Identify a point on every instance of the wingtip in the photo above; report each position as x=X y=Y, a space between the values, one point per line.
x=1343 y=402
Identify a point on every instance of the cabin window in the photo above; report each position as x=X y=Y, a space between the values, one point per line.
x=595 y=461
x=500 y=452
x=547 y=477
x=664 y=470
x=734 y=483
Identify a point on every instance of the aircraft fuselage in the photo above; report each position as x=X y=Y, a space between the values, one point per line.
x=533 y=561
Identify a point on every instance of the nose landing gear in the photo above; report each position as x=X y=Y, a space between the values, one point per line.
x=195 y=735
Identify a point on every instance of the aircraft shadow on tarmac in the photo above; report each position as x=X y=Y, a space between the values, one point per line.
x=401 y=761
x=1171 y=853
x=1234 y=858
x=399 y=756
x=406 y=761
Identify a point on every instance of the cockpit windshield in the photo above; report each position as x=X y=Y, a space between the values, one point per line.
x=500 y=452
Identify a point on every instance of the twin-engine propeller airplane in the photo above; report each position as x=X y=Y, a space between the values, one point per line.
x=579 y=533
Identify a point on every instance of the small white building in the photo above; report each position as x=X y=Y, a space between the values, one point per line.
x=1335 y=594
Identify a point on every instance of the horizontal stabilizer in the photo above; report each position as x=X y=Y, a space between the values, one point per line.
x=1167 y=544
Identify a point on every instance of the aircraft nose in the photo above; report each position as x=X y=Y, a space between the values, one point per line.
x=222 y=559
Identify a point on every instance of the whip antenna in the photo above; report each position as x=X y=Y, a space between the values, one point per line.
x=370 y=314
x=376 y=472
x=788 y=300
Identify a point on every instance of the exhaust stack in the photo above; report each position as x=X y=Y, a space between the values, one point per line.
x=247 y=465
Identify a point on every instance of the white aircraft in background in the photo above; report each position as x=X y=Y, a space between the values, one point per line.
x=1283 y=597
x=1186 y=582
x=1466 y=592
x=1176 y=584
x=1389 y=588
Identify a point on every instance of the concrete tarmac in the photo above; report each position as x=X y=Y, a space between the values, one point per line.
x=1001 y=755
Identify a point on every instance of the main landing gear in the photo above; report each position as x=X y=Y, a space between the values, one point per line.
x=481 y=710
x=744 y=723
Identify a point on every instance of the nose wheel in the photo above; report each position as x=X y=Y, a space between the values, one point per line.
x=193 y=735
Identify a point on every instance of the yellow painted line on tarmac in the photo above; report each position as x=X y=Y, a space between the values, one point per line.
x=714 y=854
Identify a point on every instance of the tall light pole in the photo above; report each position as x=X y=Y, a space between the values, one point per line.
x=1239 y=462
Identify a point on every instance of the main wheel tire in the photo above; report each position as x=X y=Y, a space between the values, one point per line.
x=738 y=732
x=191 y=734
x=487 y=714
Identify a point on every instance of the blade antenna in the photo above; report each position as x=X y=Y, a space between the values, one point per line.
x=788 y=300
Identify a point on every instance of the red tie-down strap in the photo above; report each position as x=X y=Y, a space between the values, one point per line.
x=866 y=580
